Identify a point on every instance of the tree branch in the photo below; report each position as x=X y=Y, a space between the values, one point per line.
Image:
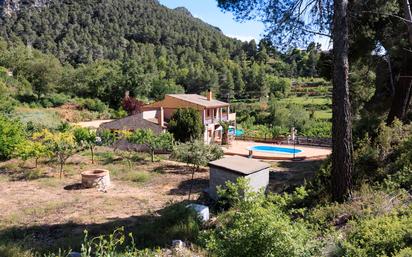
x=317 y=33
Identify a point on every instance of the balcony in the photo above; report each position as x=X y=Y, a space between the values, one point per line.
x=225 y=117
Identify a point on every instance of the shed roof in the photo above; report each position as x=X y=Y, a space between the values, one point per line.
x=132 y=122
x=240 y=164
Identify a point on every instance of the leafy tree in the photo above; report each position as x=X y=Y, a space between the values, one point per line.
x=163 y=141
x=12 y=134
x=162 y=87
x=32 y=149
x=288 y=21
x=87 y=138
x=196 y=154
x=227 y=86
x=186 y=124
x=61 y=144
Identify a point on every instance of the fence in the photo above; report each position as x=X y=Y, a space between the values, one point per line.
x=299 y=140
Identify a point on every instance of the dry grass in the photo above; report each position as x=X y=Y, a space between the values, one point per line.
x=41 y=212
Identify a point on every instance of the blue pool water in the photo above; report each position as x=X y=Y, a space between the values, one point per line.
x=274 y=149
x=236 y=132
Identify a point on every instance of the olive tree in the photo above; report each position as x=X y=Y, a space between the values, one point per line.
x=196 y=154
x=146 y=137
x=87 y=138
x=29 y=149
x=62 y=145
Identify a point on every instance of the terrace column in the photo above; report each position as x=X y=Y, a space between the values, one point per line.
x=204 y=116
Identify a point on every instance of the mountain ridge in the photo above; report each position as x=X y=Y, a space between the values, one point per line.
x=82 y=31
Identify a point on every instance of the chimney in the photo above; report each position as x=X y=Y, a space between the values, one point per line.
x=126 y=94
x=161 y=117
x=209 y=95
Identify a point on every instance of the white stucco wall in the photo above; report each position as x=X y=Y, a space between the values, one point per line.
x=218 y=177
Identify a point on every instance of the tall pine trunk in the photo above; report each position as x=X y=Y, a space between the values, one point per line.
x=342 y=147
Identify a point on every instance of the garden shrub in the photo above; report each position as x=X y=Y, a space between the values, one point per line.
x=54 y=100
x=405 y=252
x=380 y=236
x=256 y=227
x=11 y=135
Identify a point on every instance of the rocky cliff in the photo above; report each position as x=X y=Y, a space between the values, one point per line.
x=10 y=7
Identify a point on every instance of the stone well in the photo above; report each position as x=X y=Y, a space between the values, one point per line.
x=96 y=178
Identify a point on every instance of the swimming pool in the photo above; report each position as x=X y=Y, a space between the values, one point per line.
x=274 y=149
x=236 y=132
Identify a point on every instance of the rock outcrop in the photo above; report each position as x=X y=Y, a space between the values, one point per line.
x=10 y=7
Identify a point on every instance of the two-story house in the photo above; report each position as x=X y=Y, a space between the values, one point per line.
x=211 y=110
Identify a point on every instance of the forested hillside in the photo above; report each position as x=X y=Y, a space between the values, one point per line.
x=103 y=48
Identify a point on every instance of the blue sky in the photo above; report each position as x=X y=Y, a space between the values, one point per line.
x=208 y=11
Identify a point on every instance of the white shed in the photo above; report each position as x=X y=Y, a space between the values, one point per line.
x=233 y=167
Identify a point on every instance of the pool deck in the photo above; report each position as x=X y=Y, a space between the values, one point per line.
x=238 y=147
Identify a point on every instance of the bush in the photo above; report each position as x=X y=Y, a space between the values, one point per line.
x=406 y=252
x=94 y=105
x=11 y=135
x=321 y=129
x=365 y=204
x=380 y=236
x=54 y=100
x=256 y=227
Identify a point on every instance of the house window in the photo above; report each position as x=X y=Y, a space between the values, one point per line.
x=208 y=113
x=209 y=133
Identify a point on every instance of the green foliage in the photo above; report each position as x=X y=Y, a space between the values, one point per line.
x=161 y=142
x=116 y=244
x=380 y=236
x=61 y=144
x=186 y=125
x=31 y=149
x=12 y=134
x=196 y=153
x=280 y=87
x=256 y=227
x=320 y=129
x=168 y=52
x=54 y=100
x=162 y=87
x=385 y=158
x=233 y=194
x=87 y=138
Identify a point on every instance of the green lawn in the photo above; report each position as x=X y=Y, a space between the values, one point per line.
x=323 y=114
x=307 y=100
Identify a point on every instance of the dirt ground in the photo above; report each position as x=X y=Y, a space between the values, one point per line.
x=43 y=211
x=47 y=201
x=38 y=206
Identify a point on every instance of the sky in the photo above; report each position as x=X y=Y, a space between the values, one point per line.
x=208 y=11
